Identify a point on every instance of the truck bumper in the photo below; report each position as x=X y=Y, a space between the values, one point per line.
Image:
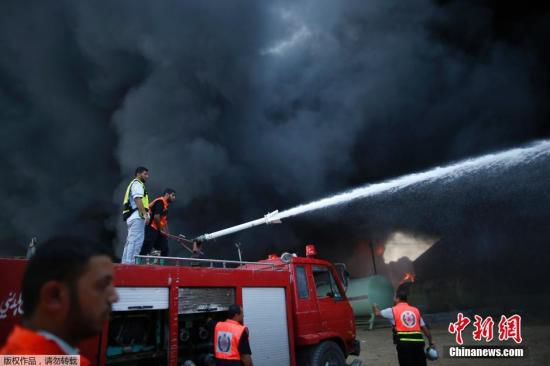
x=356 y=348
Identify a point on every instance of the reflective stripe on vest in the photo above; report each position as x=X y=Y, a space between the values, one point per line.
x=163 y=215
x=407 y=323
x=226 y=338
x=127 y=207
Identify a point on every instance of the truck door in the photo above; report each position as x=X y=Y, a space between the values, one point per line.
x=335 y=313
x=307 y=312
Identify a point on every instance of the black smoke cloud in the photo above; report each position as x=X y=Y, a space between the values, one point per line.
x=244 y=107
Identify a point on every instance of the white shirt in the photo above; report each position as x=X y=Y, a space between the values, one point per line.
x=136 y=191
x=388 y=314
x=67 y=348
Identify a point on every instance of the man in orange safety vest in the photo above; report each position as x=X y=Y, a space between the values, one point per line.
x=408 y=327
x=231 y=346
x=155 y=232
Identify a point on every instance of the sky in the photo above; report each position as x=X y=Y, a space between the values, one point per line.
x=245 y=107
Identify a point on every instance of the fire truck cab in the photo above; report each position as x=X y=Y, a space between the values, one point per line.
x=295 y=308
x=324 y=324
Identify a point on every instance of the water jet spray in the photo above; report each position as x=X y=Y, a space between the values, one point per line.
x=496 y=163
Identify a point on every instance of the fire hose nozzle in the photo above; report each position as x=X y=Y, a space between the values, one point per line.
x=201 y=238
x=272 y=218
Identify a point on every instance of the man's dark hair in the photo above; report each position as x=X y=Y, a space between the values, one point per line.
x=141 y=169
x=402 y=295
x=402 y=292
x=169 y=191
x=61 y=259
x=233 y=310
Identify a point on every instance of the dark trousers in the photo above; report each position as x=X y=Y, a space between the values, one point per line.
x=154 y=239
x=411 y=354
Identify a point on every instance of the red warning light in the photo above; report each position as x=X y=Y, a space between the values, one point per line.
x=311 y=251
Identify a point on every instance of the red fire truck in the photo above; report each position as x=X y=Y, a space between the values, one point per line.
x=295 y=308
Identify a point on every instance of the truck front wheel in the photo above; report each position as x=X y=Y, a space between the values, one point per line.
x=327 y=353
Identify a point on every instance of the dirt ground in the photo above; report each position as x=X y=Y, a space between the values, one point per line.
x=377 y=347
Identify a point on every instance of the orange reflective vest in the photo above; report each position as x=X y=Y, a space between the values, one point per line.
x=407 y=323
x=23 y=341
x=227 y=336
x=163 y=215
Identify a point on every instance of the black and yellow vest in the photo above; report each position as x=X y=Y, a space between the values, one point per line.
x=127 y=209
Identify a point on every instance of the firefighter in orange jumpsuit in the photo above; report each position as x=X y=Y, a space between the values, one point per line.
x=408 y=327
x=155 y=232
x=67 y=295
x=231 y=346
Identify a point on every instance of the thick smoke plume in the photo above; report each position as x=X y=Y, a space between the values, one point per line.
x=246 y=106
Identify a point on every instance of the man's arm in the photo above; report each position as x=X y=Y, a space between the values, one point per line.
x=141 y=209
x=247 y=360
x=156 y=212
x=427 y=333
x=386 y=313
x=244 y=350
x=156 y=217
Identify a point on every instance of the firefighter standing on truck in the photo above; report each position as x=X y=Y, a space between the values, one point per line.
x=135 y=213
x=155 y=233
x=408 y=327
x=231 y=346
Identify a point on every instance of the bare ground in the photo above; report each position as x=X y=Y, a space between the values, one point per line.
x=377 y=347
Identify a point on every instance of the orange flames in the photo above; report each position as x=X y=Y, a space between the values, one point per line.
x=408 y=277
x=379 y=249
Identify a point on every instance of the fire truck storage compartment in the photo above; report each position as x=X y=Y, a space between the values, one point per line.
x=138 y=330
x=266 y=318
x=199 y=309
x=193 y=300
